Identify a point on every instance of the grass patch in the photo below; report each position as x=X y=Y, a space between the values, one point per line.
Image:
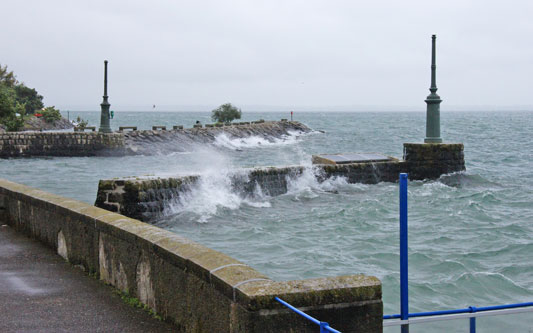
x=134 y=302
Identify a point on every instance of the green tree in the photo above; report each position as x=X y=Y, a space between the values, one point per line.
x=29 y=97
x=15 y=122
x=7 y=101
x=17 y=100
x=7 y=78
x=82 y=123
x=9 y=109
x=226 y=113
x=51 y=114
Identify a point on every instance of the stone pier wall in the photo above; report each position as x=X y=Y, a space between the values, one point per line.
x=143 y=142
x=197 y=288
x=27 y=144
x=142 y=199
x=147 y=199
x=161 y=142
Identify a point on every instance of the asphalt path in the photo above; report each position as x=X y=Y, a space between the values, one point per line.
x=41 y=292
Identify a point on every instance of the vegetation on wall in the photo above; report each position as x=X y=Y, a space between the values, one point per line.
x=81 y=123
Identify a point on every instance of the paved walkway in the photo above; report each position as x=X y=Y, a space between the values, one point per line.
x=40 y=292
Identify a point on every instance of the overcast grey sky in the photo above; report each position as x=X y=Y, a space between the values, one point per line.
x=331 y=55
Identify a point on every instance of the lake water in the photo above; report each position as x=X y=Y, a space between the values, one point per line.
x=470 y=234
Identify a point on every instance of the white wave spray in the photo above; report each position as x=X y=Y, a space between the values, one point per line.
x=214 y=189
x=307 y=185
x=223 y=140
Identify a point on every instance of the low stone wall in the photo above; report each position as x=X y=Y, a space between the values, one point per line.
x=145 y=142
x=142 y=199
x=199 y=289
x=26 y=144
x=147 y=199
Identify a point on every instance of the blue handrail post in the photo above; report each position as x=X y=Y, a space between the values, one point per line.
x=324 y=327
x=472 y=320
x=404 y=291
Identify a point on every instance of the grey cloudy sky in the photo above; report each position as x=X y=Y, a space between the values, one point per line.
x=331 y=55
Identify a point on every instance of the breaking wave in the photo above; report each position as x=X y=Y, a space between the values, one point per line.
x=217 y=191
x=307 y=184
x=212 y=192
x=225 y=141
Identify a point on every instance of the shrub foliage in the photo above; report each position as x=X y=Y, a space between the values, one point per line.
x=51 y=114
x=226 y=113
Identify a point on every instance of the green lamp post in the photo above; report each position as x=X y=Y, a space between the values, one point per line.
x=433 y=104
x=104 y=115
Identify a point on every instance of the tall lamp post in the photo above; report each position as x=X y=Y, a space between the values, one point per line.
x=433 y=104
x=104 y=115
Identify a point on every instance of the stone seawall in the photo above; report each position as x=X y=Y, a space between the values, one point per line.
x=144 y=142
x=27 y=144
x=148 y=199
x=199 y=289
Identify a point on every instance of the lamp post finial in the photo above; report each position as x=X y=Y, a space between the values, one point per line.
x=104 y=114
x=433 y=101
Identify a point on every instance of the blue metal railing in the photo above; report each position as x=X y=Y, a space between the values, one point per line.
x=467 y=313
x=470 y=312
x=421 y=317
x=324 y=327
x=404 y=287
x=470 y=309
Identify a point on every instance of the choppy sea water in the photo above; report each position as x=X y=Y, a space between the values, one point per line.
x=470 y=234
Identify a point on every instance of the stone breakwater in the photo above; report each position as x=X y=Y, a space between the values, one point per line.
x=197 y=288
x=144 y=142
x=148 y=199
x=153 y=142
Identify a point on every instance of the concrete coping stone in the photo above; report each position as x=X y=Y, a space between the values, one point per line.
x=122 y=128
x=436 y=144
x=82 y=129
x=330 y=290
x=349 y=158
x=224 y=266
x=244 y=282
